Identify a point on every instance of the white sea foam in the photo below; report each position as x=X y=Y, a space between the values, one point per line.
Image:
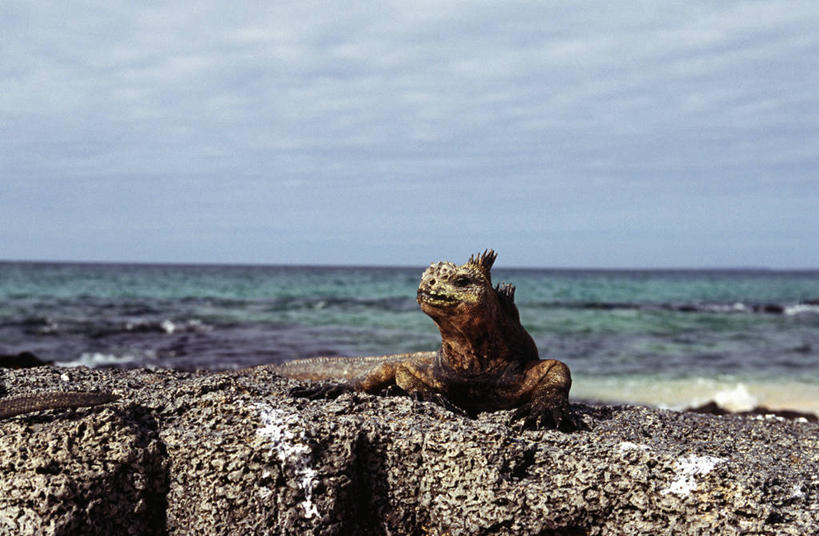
x=168 y=326
x=737 y=307
x=98 y=359
x=736 y=399
x=292 y=450
x=734 y=393
x=686 y=469
x=801 y=308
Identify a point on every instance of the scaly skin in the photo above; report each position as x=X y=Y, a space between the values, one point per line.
x=20 y=405
x=487 y=360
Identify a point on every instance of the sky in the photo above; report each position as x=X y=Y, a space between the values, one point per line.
x=561 y=134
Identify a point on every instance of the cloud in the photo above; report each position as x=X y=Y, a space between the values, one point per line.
x=332 y=117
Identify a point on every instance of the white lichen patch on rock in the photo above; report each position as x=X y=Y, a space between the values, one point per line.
x=770 y=417
x=687 y=469
x=625 y=446
x=292 y=450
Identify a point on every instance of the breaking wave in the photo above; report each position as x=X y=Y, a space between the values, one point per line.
x=103 y=360
x=809 y=307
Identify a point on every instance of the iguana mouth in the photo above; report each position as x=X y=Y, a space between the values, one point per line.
x=432 y=298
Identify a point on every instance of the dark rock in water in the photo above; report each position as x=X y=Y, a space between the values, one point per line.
x=687 y=309
x=770 y=308
x=712 y=408
x=234 y=453
x=21 y=360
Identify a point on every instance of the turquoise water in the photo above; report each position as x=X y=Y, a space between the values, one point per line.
x=625 y=334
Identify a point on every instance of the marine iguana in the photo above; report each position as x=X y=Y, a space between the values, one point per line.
x=487 y=360
x=11 y=406
x=19 y=405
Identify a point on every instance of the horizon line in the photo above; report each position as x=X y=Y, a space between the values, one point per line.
x=398 y=266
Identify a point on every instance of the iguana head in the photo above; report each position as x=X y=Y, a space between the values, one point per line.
x=479 y=323
x=448 y=289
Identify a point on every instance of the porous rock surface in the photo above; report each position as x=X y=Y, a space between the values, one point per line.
x=234 y=453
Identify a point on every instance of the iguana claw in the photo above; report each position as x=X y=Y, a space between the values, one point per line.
x=539 y=416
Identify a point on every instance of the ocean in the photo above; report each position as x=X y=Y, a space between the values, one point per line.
x=666 y=338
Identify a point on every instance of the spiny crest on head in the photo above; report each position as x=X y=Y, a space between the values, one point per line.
x=506 y=297
x=506 y=291
x=484 y=262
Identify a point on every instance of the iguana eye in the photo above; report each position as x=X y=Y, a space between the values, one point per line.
x=462 y=281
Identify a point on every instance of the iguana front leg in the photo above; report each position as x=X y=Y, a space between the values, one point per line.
x=545 y=390
x=413 y=376
x=416 y=378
